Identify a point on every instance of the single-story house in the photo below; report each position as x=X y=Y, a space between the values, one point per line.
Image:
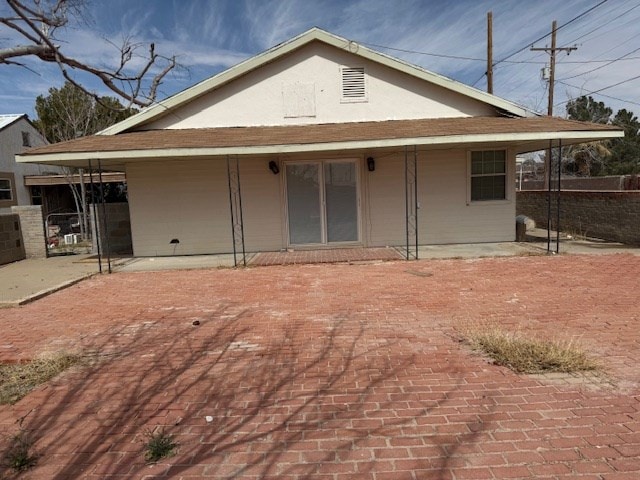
x=320 y=142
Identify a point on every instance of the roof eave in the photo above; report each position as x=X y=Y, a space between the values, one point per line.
x=434 y=141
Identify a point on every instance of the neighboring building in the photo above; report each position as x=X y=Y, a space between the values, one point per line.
x=316 y=143
x=17 y=134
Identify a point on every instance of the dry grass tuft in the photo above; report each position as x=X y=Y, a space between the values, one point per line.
x=17 y=380
x=529 y=354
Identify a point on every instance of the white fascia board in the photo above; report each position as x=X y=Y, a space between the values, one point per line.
x=316 y=147
x=284 y=48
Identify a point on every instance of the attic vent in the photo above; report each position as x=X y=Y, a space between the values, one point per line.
x=353 y=85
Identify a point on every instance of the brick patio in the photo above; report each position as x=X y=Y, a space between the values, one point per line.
x=331 y=255
x=333 y=372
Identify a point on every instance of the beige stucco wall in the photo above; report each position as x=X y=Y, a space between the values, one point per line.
x=189 y=200
x=261 y=206
x=257 y=98
x=445 y=215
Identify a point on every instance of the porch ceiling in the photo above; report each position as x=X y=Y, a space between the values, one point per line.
x=524 y=134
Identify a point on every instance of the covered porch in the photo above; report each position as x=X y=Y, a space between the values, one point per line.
x=392 y=185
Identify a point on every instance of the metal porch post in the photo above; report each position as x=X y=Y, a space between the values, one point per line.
x=235 y=206
x=558 y=196
x=411 y=202
x=95 y=218
x=548 y=174
x=104 y=216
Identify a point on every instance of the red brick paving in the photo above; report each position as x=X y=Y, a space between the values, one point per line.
x=332 y=255
x=333 y=372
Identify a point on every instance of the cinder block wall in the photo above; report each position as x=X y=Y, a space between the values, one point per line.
x=612 y=216
x=608 y=184
x=31 y=224
x=11 y=246
x=118 y=226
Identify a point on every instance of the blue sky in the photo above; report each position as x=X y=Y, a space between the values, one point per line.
x=210 y=36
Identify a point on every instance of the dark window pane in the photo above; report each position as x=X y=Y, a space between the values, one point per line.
x=475 y=189
x=488 y=188
x=476 y=166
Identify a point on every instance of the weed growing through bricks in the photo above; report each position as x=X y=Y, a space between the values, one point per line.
x=17 y=380
x=19 y=455
x=159 y=445
x=529 y=354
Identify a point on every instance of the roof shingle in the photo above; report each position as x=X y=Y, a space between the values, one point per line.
x=315 y=134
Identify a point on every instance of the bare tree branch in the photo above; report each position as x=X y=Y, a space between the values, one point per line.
x=38 y=22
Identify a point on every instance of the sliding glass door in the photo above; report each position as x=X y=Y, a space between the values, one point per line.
x=322 y=202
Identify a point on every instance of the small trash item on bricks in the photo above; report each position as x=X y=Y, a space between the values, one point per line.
x=196 y=322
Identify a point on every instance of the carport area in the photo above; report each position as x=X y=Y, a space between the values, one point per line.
x=333 y=371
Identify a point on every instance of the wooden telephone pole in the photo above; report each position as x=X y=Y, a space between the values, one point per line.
x=490 y=52
x=547 y=175
x=552 y=63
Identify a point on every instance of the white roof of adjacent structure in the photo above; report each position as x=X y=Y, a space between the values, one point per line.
x=314 y=34
x=8 y=119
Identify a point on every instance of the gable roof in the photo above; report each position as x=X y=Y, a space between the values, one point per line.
x=315 y=34
x=8 y=119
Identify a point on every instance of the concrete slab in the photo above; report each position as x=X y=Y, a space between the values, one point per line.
x=577 y=245
x=27 y=280
x=476 y=250
x=191 y=262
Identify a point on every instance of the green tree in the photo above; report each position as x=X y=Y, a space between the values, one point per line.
x=68 y=112
x=620 y=156
x=586 y=109
x=625 y=152
x=587 y=159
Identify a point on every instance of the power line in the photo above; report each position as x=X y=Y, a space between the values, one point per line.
x=609 y=50
x=528 y=45
x=456 y=57
x=604 y=24
x=474 y=59
x=604 y=88
x=602 y=66
x=601 y=94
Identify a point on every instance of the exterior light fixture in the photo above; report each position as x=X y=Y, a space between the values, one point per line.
x=174 y=241
x=273 y=166
x=371 y=164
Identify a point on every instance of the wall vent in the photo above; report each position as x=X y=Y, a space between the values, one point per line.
x=353 y=84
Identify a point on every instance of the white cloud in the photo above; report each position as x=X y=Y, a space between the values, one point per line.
x=210 y=36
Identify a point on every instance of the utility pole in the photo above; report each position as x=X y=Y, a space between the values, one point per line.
x=490 y=52
x=552 y=63
x=547 y=175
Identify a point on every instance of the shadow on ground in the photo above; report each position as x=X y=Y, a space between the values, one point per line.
x=296 y=403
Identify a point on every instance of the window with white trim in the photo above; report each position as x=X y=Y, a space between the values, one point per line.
x=488 y=175
x=353 y=84
x=6 y=192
